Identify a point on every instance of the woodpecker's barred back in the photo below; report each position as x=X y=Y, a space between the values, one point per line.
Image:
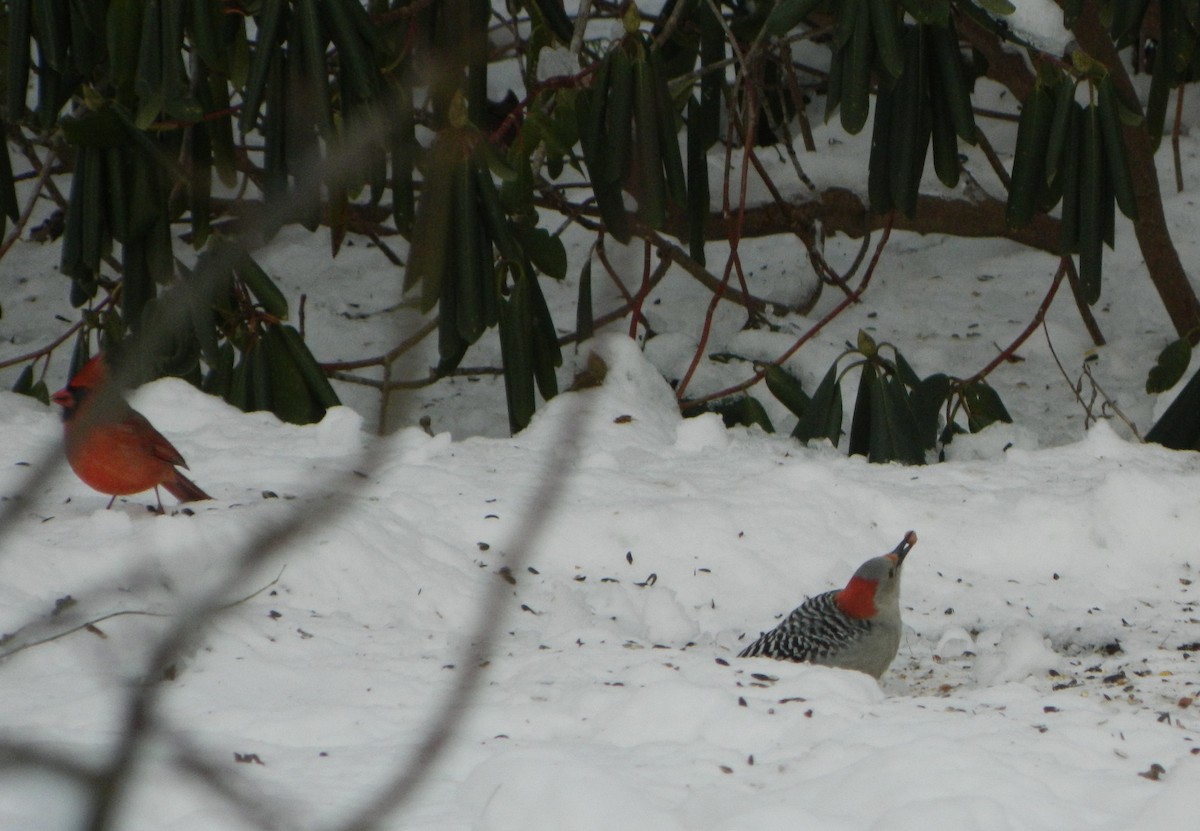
x=815 y=630
x=857 y=627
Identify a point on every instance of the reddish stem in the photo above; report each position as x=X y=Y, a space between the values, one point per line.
x=847 y=301
x=643 y=290
x=1038 y=317
x=735 y=234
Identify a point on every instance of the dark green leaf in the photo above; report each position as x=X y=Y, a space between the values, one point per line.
x=555 y=17
x=894 y=433
x=861 y=419
x=788 y=14
x=545 y=250
x=8 y=192
x=291 y=399
x=742 y=410
x=40 y=391
x=17 y=49
x=984 y=406
x=823 y=417
x=516 y=349
x=928 y=11
x=787 y=389
x=1179 y=426
x=585 y=325
x=314 y=376
x=219 y=379
x=263 y=287
x=266 y=47
x=1169 y=368
x=81 y=353
x=547 y=355
x=24 y=382
x=927 y=400
x=906 y=372
x=25 y=385
x=137 y=281
x=259 y=377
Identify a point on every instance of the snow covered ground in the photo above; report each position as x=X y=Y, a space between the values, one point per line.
x=1049 y=657
x=1049 y=675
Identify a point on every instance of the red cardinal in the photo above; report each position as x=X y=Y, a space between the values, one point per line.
x=112 y=447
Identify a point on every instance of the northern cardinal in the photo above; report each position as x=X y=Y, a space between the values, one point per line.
x=112 y=447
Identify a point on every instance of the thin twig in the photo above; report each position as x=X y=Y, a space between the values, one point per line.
x=1038 y=317
x=16 y=754
x=88 y=624
x=581 y=21
x=1076 y=389
x=1109 y=403
x=812 y=332
x=43 y=176
x=702 y=275
x=798 y=103
x=643 y=290
x=989 y=153
x=668 y=29
x=1085 y=311
x=387 y=357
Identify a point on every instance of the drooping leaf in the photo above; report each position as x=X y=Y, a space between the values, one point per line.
x=894 y=433
x=219 y=379
x=1172 y=362
x=787 y=389
x=743 y=410
x=585 y=323
x=263 y=287
x=25 y=385
x=822 y=418
x=516 y=348
x=318 y=384
x=24 y=382
x=547 y=354
x=787 y=14
x=291 y=399
x=1179 y=427
x=545 y=250
x=928 y=11
x=40 y=391
x=860 y=420
x=906 y=373
x=984 y=406
x=927 y=400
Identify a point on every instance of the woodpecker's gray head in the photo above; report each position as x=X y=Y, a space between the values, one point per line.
x=875 y=587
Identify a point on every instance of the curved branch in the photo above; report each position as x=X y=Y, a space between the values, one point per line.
x=842 y=211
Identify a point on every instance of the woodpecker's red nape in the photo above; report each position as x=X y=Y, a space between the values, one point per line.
x=857 y=600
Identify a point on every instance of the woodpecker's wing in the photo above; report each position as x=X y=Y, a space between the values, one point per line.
x=814 y=631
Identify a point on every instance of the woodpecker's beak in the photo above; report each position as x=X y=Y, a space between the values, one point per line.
x=905 y=546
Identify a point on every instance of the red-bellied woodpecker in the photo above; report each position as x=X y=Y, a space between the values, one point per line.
x=857 y=627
